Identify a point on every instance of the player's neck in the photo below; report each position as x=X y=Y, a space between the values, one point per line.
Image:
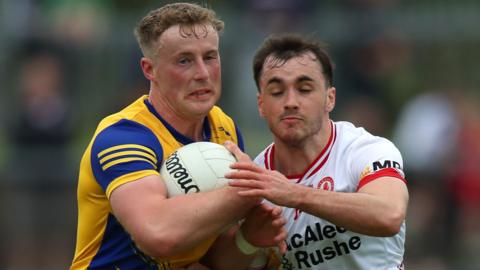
x=295 y=159
x=192 y=128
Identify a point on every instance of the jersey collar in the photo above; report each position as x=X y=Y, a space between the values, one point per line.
x=207 y=133
x=316 y=165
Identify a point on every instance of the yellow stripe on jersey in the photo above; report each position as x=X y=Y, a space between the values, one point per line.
x=164 y=265
x=124 y=160
x=123 y=146
x=127 y=153
x=129 y=177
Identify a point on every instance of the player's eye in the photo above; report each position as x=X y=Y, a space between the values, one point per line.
x=275 y=89
x=276 y=93
x=305 y=90
x=304 y=87
x=184 y=61
x=211 y=56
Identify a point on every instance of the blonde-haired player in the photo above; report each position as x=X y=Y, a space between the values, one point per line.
x=125 y=220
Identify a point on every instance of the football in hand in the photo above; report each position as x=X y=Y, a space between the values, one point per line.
x=196 y=167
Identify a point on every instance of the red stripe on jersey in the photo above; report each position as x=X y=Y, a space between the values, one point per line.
x=384 y=172
x=271 y=164
x=327 y=146
x=267 y=158
x=333 y=138
x=295 y=177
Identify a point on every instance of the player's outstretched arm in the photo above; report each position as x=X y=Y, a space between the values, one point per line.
x=235 y=249
x=162 y=226
x=377 y=209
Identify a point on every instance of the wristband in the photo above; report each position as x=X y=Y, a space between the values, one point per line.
x=243 y=245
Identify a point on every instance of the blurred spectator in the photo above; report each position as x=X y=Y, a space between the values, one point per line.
x=464 y=183
x=79 y=23
x=425 y=133
x=39 y=171
x=42 y=113
x=438 y=134
x=43 y=109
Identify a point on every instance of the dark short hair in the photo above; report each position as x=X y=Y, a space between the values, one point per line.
x=283 y=47
x=152 y=26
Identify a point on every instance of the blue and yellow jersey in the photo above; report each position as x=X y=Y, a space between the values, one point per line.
x=127 y=146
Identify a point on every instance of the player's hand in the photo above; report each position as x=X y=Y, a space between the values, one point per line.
x=241 y=157
x=237 y=152
x=264 y=227
x=259 y=182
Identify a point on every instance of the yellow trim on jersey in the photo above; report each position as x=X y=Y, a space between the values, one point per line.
x=127 y=153
x=123 y=146
x=124 y=160
x=128 y=178
x=164 y=265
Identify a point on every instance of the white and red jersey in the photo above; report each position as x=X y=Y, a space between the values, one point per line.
x=351 y=158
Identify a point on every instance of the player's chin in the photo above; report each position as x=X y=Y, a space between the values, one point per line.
x=289 y=132
x=201 y=108
x=292 y=138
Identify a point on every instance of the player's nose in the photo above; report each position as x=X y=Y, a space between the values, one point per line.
x=201 y=71
x=291 y=99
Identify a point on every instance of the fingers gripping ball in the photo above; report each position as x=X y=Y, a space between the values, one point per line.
x=196 y=167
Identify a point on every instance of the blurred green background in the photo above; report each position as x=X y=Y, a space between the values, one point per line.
x=407 y=70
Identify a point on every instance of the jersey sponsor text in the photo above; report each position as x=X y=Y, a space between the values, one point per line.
x=311 y=236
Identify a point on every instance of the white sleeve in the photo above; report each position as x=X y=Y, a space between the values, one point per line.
x=372 y=157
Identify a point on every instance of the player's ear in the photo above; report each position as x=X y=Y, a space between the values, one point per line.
x=147 y=68
x=260 y=105
x=330 y=102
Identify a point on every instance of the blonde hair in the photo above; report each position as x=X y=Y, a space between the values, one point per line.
x=186 y=15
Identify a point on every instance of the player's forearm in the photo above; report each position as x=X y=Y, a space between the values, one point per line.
x=183 y=222
x=358 y=212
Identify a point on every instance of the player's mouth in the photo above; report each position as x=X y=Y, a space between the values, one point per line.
x=291 y=119
x=201 y=94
